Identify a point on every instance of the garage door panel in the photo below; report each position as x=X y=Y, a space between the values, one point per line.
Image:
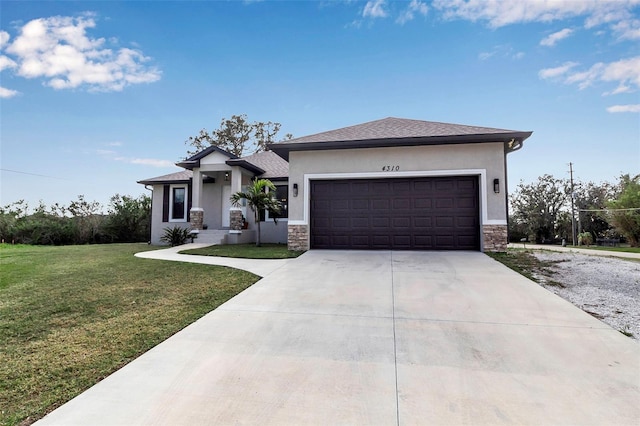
x=422 y=203
x=465 y=202
x=444 y=203
x=340 y=222
x=360 y=222
x=360 y=204
x=427 y=213
x=380 y=204
x=401 y=223
x=380 y=222
x=445 y=185
x=401 y=203
x=444 y=222
x=422 y=222
x=382 y=241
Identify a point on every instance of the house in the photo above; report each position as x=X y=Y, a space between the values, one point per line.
x=198 y=197
x=386 y=184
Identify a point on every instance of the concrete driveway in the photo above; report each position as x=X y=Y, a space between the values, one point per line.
x=382 y=338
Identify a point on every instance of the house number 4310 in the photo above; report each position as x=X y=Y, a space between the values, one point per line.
x=390 y=168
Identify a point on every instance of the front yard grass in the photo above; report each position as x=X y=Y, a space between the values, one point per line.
x=247 y=251
x=605 y=248
x=70 y=316
x=525 y=263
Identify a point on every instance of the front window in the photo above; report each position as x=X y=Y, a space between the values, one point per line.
x=178 y=204
x=282 y=195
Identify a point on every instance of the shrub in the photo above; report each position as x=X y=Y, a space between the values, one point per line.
x=585 y=239
x=175 y=236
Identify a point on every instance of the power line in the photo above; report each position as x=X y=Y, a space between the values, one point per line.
x=609 y=210
x=33 y=174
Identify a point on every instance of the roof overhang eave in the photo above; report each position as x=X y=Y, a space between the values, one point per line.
x=163 y=182
x=189 y=165
x=245 y=165
x=283 y=149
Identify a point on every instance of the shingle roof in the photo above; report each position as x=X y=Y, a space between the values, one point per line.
x=272 y=164
x=182 y=176
x=395 y=128
x=393 y=131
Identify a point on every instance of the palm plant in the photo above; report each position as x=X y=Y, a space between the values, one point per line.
x=260 y=195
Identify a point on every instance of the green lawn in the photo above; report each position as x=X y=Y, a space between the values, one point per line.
x=525 y=263
x=623 y=249
x=247 y=251
x=70 y=316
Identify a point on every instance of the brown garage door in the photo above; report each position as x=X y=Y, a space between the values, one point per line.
x=430 y=213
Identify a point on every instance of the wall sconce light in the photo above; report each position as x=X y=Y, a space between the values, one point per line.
x=295 y=189
x=226 y=176
x=496 y=186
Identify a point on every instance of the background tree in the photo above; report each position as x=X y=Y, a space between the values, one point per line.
x=590 y=201
x=129 y=218
x=237 y=136
x=625 y=213
x=260 y=195
x=88 y=219
x=536 y=207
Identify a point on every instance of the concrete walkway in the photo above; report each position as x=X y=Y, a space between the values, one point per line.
x=379 y=338
x=260 y=267
x=590 y=252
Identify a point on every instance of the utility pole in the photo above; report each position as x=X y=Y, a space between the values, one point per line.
x=573 y=211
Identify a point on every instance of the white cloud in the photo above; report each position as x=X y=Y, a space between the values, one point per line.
x=4 y=38
x=618 y=14
x=374 y=9
x=59 y=50
x=557 y=71
x=552 y=39
x=6 y=62
x=7 y=93
x=625 y=73
x=147 y=161
x=414 y=7
x=501 y=50
x=624 y=108
x=114 y=156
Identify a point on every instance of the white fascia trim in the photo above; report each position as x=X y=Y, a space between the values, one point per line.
x=495 y=222
x=430 y=173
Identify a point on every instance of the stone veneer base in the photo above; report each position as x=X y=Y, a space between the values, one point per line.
x=197 y=216
x=495 y=237
x=298 y=237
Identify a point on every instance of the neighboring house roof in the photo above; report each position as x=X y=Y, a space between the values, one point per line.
x=183 y=176
x=274 y=166
x=397 y=132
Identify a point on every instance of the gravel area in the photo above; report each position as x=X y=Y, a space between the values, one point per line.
x=607 y=288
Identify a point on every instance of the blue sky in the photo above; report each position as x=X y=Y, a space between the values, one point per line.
x=97 y=95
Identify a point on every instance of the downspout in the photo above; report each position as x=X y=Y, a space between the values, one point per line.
x=510 y=147
x=150 y=213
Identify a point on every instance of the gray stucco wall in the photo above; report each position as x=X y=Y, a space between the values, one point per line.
x=213 y=205
x=157 y=226
x=484 y=159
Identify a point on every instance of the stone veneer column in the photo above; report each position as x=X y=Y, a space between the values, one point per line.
x=495 y=237
x=298 y=237
x=235 y=219
x=197 y=217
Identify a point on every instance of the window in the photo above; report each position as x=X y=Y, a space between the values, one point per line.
x=178 y=206
x=282 y=195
